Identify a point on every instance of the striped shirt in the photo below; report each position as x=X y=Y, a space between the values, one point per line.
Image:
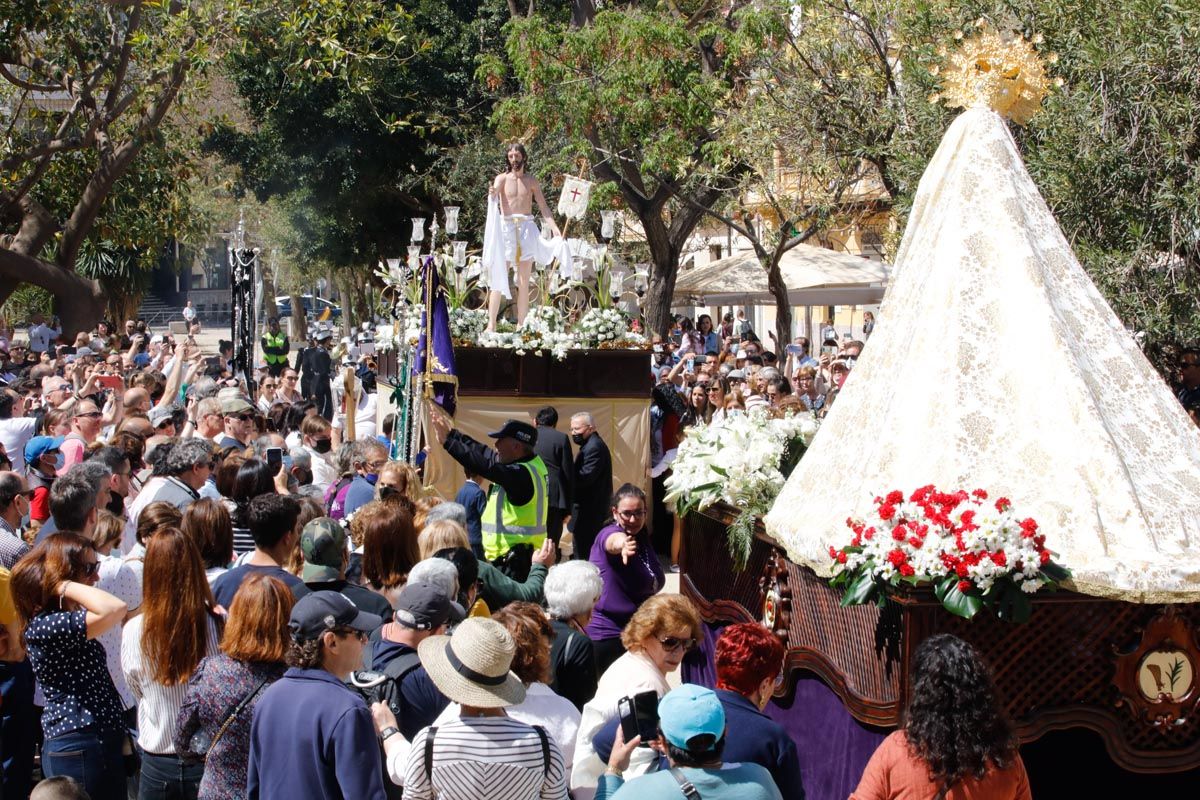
x=158 y=705
x=497 y=758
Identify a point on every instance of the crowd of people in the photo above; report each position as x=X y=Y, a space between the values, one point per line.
x=212 y=593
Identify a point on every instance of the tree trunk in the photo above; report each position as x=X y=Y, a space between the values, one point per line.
x=79 y=302
x=664 y=268
x=783 y=307
x=298 y=329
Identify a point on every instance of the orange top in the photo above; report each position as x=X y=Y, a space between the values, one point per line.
x=895 y=773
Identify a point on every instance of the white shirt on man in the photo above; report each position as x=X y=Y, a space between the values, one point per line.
x=41 y=335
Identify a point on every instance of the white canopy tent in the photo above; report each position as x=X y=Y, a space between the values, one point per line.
x=815 y=276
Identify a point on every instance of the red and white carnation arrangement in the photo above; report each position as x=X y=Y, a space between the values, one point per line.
x=974 y=551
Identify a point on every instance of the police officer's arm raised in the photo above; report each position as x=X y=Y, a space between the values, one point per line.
x=481 y=459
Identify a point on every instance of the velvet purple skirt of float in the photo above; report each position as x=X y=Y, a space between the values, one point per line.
x=832 y=745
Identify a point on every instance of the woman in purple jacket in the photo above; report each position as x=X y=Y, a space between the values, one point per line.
x=629 y=569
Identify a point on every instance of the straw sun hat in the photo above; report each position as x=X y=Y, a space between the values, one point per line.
x=471 y=665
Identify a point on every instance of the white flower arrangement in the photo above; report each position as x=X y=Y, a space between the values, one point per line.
x=601 y=327
x=743 y=462
x=467 y=324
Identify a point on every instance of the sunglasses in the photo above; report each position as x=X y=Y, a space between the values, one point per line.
x=673 y=643
x=91 y=569
x=245 y=417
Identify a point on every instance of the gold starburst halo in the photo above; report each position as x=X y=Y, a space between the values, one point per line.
x=998 y=70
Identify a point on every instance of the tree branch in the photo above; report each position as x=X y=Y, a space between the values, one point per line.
x=118 y=80
x=21 y=83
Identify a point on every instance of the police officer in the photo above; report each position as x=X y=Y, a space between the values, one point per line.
x=514 y=518
x=275 y=347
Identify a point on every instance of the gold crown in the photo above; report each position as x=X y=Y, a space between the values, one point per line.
x=1001 y=71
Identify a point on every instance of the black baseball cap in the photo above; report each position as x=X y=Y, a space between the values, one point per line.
x=318 y=612
x=515 y=429
x=423 y=606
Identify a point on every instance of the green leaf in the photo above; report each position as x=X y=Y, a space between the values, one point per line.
x=965 y=605
x=860 y=590
x=1055 y=572
x=1010 y=603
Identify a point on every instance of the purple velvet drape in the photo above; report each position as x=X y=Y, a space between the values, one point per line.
x=833 y=746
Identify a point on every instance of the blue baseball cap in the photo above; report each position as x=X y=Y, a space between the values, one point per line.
x=688 y=712
x=38 y=446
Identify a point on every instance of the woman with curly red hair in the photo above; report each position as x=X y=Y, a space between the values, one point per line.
x=956 y=742
x=749 y=661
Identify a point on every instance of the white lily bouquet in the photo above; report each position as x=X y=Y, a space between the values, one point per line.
x=601 y=327
x=742 y=461
x=467 y=324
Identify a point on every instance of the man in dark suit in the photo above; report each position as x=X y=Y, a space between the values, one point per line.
x=593 y=484
x=555 y=450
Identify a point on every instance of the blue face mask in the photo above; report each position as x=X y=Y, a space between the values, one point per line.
x=59 y=460
x=371 y=478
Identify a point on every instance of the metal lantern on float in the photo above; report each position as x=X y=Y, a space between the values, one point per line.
x=608 y=223
x=616 y=283
x=414 y=256
x=641 y=279
x=460 y=252
x=451 y=213
x=418 y=229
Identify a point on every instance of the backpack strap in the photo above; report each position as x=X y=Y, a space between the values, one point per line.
x=429 y=754
x=541 y=732
x=401 y=665
x=687 y=787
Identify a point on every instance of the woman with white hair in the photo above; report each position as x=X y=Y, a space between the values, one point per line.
x=572 y=589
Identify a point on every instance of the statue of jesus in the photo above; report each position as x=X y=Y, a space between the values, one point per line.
x=516 y=190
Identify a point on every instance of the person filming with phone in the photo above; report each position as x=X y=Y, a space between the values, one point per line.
x=692 y=732
x=659 y=635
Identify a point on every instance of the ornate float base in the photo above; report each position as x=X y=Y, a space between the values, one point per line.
x=611 y=385
x=1126 y=674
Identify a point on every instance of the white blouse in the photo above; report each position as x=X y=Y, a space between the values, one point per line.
x=158 y=705
x=628 y=675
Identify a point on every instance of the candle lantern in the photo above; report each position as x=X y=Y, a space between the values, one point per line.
x=608 y=223
x=460 y=252
x=418 y=229
x=451 y=220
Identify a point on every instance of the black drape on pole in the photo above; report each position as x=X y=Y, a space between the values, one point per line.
x=243 y=266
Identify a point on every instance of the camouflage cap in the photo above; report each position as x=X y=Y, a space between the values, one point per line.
x=323 y=542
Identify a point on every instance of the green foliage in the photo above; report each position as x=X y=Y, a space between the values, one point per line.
x=24 y=302
x=350 y=151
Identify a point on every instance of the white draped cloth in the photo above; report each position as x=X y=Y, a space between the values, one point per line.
x=996 y=364
x=500 y=237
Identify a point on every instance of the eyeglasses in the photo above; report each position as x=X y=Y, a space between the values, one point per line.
x=245 y=417
x=92 y=414
x=714 y=388
x=673 y=643
x=631 y=514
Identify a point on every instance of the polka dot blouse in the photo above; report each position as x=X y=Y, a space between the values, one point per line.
x=73 y=675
